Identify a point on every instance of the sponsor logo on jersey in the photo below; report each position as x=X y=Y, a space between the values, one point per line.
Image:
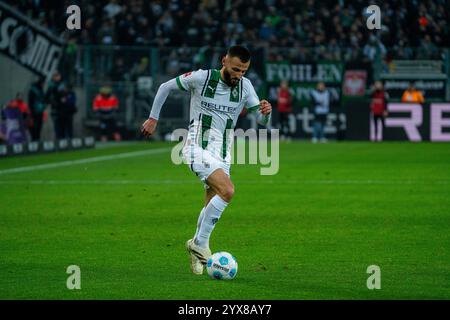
x=218 y=107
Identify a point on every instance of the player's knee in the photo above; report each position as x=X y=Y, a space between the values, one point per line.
x=228 y=193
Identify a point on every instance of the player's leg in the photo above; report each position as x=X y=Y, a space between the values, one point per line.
x=373 y=131
x=195 y=252
x=282 y=124
x=288 y=126
x=103 y=130
x=209 y=194
x=215 y=176
x=218 y=199
x=221 y=184
x=375 y=127
x=200 y=254
x=376 y=120
x=315 y=129
x=196 y=264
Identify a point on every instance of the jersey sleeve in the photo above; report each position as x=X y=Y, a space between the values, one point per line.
x=252 y=102
x=190 y=80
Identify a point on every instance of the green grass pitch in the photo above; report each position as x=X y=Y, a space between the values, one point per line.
x=309 y=232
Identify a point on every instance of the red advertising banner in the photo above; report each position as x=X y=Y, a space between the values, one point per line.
x=355 y=83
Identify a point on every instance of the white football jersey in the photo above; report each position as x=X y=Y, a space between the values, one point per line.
x=214 y=108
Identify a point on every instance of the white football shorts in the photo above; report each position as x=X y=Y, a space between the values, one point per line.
x=202 y=162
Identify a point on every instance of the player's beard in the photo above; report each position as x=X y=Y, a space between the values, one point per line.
x=228 y=80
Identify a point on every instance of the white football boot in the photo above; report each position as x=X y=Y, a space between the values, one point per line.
x=199 y=256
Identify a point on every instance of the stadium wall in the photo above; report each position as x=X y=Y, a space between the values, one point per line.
x=13 y=78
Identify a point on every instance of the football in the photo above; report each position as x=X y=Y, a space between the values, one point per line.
x=222 y=266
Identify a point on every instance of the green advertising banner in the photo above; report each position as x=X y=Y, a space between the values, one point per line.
x=328 y=72
x=303 y=78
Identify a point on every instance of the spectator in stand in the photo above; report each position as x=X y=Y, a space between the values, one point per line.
x=119 y=71
x=19 y=103
x=284 y=107
x=105 y=106
x=278 y=23
x=112 y=9
x=12 y=128
x=37 y=104
x=69 y=60
x=427 y=49
x=54 y=98
x=24 y=120
x=374 y=49
x=321 y=105
x=378 y=109
x=68 y=109
x=412 y=95
x=141 y=69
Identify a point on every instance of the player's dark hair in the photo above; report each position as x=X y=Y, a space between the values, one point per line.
x=239 y=51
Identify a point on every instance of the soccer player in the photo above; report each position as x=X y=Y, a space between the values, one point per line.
x=217 y=99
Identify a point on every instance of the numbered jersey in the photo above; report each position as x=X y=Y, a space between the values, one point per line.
x=214 y=108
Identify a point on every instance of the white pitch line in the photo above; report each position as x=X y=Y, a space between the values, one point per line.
x=251 y=182
x=84 y=161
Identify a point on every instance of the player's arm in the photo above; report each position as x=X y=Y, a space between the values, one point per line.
x=185 y=82
x=263 y=107
x=149 y=126
x=264 y=111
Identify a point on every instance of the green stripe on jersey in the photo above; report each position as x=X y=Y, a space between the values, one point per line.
x=179 y=84
x=206 y=125
x=229 y=125
x=253 y=109
x=212 y=84
x=234 y=93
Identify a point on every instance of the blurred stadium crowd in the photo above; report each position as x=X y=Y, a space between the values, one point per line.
x=336 y=29
x=191 y=33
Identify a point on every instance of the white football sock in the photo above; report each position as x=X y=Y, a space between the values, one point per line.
x=199 y=221
x=212 y=214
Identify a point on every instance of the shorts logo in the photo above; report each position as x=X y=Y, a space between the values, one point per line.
x=214 y=221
